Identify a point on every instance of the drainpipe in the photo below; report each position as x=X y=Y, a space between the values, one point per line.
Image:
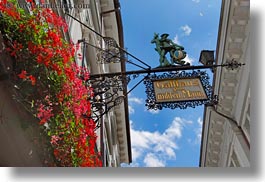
x=235 y=122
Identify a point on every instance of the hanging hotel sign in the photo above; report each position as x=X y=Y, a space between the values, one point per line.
x=178 y=90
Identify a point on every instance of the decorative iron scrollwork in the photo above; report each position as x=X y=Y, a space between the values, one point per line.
x=151 y=102
x=233 y=64
x=110 y=42
x=112 y=55
x=106 y=95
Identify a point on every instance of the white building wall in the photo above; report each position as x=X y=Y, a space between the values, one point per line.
x=226 y=128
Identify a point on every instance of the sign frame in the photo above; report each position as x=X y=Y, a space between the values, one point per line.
x=152 y=103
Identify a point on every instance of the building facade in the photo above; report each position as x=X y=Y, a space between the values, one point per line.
x=226 y=125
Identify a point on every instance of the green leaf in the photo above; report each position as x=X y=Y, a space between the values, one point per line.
x=32 y=103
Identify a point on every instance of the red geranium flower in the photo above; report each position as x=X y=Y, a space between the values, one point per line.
x=23 y=74
x=32 y=79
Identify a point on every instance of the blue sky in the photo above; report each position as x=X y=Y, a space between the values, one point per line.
x=167 y=138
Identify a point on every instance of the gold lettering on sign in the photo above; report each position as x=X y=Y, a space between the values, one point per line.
x=182 y=89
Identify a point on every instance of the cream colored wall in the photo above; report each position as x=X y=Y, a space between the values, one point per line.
x=226 y=141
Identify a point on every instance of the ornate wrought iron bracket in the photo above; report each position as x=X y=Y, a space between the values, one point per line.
x=109 y=86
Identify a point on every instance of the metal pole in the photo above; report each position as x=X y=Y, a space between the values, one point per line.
x=156 y=70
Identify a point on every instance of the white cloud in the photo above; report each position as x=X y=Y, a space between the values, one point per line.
x=151 y=160
x=155 y=145
x=135 y=100
x=201 y=14
x=131 y=109
x=198 y=131
x=170 y=152
x=200 y=121
x=153 y=111
x=175 y=129
x=136 y=153
x=189 y=59
x=196 y=1
x=176 y=40
x=139 y=139
x=187 y=30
